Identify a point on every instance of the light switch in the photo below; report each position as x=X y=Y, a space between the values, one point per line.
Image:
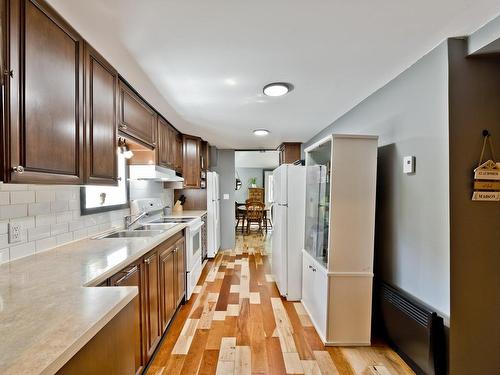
x=225 y=196
x=409 y=164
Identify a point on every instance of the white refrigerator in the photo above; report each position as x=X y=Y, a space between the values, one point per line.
x=213 y=214
x=288 y=229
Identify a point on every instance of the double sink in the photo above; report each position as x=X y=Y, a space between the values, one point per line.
x=145 y=230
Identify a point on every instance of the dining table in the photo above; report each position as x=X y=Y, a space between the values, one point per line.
x=268 y=207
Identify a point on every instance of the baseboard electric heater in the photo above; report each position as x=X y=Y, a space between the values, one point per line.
x=413 y=329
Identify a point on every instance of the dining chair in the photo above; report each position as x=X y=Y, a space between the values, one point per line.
x=255 y=213
x=240 y=215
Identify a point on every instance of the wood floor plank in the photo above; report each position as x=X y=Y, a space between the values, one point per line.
x=275 y=360
x=237 y=323
x=209 y=362
x=325 y=363
x=292 y=363
x=243 y=360
x=310 y=367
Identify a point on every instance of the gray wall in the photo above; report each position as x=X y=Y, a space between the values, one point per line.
x=245 y=175
x=410 y=116
x=475 y=226
x=225 y=168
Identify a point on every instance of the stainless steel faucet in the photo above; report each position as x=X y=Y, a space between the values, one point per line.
x=129 y=222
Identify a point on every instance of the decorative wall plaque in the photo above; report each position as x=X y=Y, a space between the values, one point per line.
x=487 y=175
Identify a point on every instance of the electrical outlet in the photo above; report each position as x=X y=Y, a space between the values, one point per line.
x=14 y=233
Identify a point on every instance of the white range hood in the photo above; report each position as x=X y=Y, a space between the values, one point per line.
x=153 y=173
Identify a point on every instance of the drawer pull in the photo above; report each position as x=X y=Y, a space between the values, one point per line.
x=129 y=272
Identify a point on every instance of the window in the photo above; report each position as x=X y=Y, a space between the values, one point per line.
x=94 y=199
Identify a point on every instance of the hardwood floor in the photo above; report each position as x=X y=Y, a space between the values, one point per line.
x=237 y=323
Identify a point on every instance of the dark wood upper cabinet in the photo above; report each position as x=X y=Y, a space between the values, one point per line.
x=101 y=119
x=289 y=152
x=191 y=161
x=205 y=156
x=131 y=276
x=151 y=304
x=164 y=144
x=137 y=119
x=178 y=153
x=44 y=124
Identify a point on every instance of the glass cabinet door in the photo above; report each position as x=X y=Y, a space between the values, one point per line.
x=318 y=202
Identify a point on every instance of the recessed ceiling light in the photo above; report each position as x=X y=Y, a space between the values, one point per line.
x=261 y=132
x=277 y=88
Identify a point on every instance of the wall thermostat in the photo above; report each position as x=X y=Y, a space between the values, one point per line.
x=409 y=164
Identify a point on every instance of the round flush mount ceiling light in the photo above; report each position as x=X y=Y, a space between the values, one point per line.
x=277 y=88
x=261 y=132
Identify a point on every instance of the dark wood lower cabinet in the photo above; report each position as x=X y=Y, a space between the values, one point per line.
x=131 y=276
x=180 y=271
x=110 y=351
x=167 y=285
x=160 y=276
x=151 y=303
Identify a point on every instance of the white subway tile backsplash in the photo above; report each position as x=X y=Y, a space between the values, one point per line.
x=4 y=226
x=79 y=234
x=45 y=219
x=45 y=196
x=64 y=217
x=56 y=229
x=23 y=250
x=64 y=238
x=74 y=204
x=59 y=206
x=4 y=198
x=66 y=195
x=45 y=244
x=4 y=256
x=92 y=231
x=13 y=187
x=50 y=216
x=39 y=232
x=76 y=225
x=13 y=210
x=17 y=197
x=38 y=208
x=4 y=241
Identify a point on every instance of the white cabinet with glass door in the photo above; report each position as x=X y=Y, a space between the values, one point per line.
x=339 y=234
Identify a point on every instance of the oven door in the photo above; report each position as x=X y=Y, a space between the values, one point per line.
x=194 y=250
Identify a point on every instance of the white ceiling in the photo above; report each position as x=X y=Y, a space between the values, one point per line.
x=203 y=63
x=256 y=159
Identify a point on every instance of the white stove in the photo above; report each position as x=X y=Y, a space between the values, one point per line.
x=154 y=209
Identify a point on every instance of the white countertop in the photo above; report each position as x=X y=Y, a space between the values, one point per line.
x=48 y=307
x=188 y=213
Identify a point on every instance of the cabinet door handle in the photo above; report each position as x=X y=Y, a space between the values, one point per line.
x=9 y=73
x=129 y=272
x=19 y=169
x=154 y=144
x=147 y=261
x=123 y=126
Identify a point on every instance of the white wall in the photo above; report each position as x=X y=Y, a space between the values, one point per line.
x=410 y=116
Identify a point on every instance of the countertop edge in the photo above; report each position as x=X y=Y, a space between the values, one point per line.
x=118 y=267
x=81 y=341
